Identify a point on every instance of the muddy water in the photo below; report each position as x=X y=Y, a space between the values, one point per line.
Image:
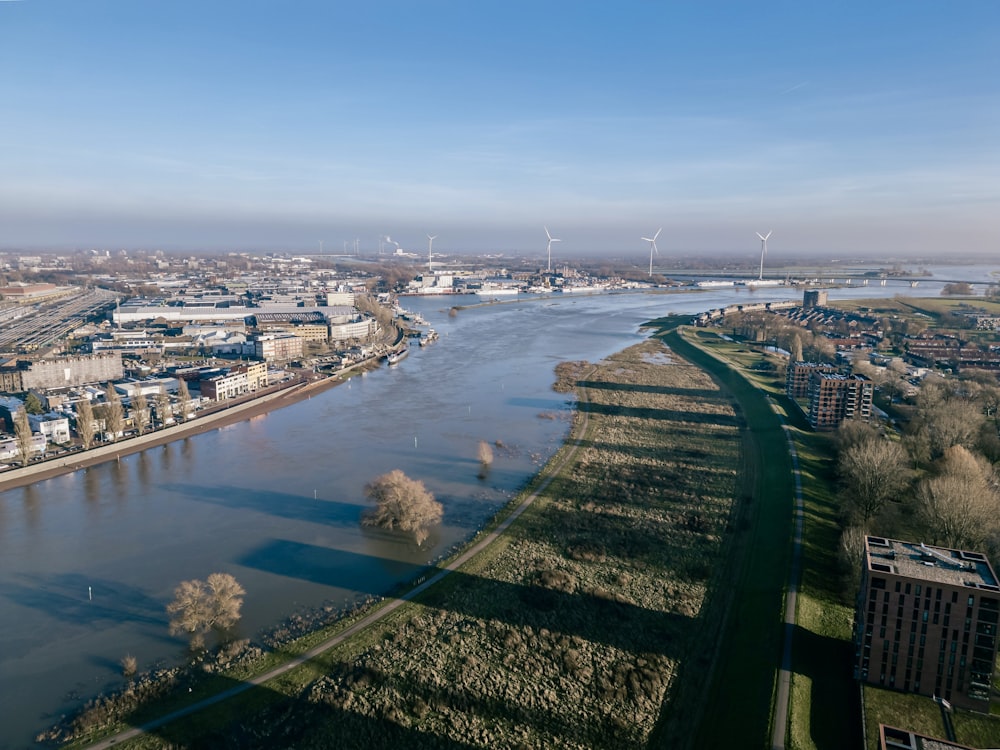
x=89 y=560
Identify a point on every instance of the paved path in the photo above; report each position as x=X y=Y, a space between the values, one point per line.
x=780 y=718
x=375 y=616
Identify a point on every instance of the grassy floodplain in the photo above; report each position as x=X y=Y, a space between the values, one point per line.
x=593 y=620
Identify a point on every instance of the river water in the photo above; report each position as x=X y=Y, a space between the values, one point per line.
x=89 y=560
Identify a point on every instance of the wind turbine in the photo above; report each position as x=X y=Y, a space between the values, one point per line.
x=430 y=251
x=652 y=248
x=763 y=252
x=549 y=249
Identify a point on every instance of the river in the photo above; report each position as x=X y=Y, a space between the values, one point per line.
x=89 y=560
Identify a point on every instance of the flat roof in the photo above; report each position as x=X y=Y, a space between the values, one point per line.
x=891 y=738
x=924 y=562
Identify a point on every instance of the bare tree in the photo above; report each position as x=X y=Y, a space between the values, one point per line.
x=873 y=472
x=401 y=503
x=944 y=417
x=852 y=552
x=23 y=436
x=854 y=432
x=113 y=412
x=86 y=424
x=163 y=407
x=485 y=453
x=960 y=505
x=202 y=606
x=183 y=399
x=796 y=348
x=140 y=411
x=365 y=303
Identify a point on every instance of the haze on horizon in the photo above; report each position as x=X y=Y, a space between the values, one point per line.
x=847 y=129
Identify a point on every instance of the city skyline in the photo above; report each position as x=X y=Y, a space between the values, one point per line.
x=849 y=130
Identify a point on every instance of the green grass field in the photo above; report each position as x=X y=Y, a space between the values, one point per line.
x=823 y=711
x=749 y=654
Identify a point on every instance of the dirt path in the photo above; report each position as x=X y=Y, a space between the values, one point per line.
x=781 y=699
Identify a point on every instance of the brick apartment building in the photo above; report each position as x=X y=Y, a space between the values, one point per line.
x=798 y=376
x=891 y=738
x=277 y=347
x=926 y=621
x=834 y=398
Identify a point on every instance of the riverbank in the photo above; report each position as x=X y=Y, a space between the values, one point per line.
x=570 y=629
x=229 y=414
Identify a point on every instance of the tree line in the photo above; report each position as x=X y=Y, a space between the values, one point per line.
x=939 y=475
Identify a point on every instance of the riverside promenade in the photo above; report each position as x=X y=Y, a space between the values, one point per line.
x=220 y=415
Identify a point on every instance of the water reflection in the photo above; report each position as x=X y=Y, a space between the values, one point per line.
x=92 y=487
x=31 y=500
x=119 y=479
x=143 y=468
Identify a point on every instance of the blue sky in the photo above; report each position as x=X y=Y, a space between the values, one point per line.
x=846 y=128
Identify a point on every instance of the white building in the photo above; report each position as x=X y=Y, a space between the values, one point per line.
x=10 y=451
x=361 y=328
x=53 y=427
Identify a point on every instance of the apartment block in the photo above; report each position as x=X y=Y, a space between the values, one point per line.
x=798 y=376
x=926 y=621
x=834 y=398
x=277 y=347
x=891 y=738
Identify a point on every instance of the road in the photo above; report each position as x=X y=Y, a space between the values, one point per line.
x=780 y=716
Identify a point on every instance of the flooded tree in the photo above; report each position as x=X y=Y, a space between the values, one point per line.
x=199 y=607
x=402 y=503
x=129 y=666
x=485 y=455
